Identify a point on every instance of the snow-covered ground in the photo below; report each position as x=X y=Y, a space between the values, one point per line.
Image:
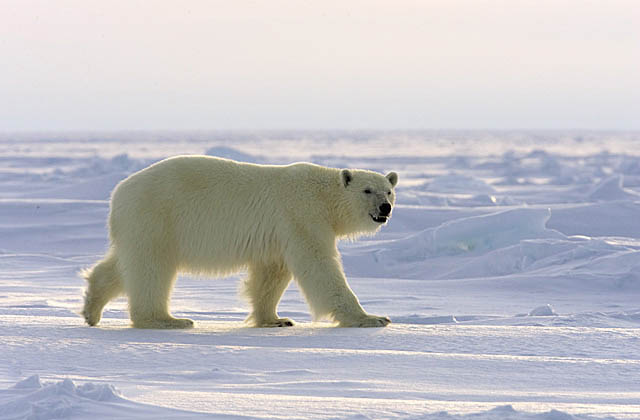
x=510 y=270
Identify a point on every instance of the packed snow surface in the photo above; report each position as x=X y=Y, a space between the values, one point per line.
x=510 y=270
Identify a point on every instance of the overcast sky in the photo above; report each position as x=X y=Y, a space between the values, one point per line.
x=323 y=64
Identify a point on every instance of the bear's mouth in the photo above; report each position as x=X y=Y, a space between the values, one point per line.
x=379 y=219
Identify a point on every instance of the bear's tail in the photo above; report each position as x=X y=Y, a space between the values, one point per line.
x=104 y=283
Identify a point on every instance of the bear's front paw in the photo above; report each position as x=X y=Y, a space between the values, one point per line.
x=164 y=323
x=368 y=321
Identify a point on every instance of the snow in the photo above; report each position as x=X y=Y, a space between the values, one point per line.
x=510 y=270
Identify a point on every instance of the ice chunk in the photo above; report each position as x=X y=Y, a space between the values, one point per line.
x=455 y=183
x=611 y=189
x=32 y=381
x=545 y=310
x=476 y=233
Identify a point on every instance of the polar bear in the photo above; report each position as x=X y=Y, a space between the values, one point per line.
x=208 y=215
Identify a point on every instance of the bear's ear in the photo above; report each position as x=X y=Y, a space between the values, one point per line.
x=346 y=176
x=393 y=178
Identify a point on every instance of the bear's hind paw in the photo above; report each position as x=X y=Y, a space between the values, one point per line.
x=91 y=317
x=91 y=320
x=278 y=322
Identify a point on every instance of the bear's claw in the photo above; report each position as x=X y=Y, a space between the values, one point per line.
x=279 y=322
x=370 y=321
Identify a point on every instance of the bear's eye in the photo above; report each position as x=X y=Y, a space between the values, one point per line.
x=367 y=191
x=388 y=192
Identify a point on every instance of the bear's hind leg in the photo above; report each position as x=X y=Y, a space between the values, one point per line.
x=263 y=288
x=149 y=290
x=104 y=284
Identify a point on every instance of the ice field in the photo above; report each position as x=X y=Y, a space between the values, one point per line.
x=510 y=270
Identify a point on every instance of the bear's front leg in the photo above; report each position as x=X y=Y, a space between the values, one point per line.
x=324 y=286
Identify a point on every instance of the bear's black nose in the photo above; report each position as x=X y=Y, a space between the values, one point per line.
x=385 y=209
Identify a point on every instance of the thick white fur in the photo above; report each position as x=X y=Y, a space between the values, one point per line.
x=215 y=216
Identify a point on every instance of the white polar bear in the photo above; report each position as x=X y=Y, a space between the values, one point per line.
x=207 y=215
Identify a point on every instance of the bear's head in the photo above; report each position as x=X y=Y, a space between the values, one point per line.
x=370 y=197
